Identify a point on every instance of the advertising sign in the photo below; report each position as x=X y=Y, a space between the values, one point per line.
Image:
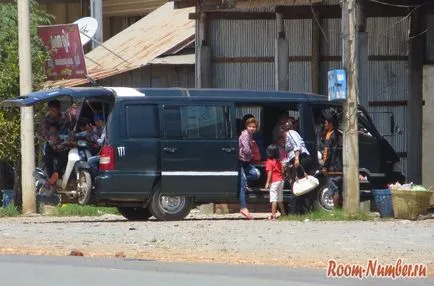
x=66 y=52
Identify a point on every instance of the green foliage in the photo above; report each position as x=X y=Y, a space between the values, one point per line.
x=9 y=71
x=77 y=210
x=9 y=211
x=335 y=215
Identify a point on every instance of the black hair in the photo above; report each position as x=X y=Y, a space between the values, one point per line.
x=331 y=116
x=273 y=152
x=83 y=122
x=283 y=113
x=54 y=103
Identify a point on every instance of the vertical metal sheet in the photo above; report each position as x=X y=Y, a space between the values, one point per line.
x=388 y=36
x=300 y=77
x=331 y=43
x=299 y=35
x=244 y=75
x=242 y=38
x=429 y=43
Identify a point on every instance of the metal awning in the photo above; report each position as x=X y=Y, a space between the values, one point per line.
x=161 y=31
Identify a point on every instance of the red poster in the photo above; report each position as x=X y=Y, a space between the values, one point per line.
x=67 y=56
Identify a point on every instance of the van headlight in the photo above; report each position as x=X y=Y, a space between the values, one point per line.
x=397 y=167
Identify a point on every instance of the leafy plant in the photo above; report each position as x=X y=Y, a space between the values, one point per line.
x=9 y=78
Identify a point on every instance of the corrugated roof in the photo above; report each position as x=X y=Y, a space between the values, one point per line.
x=188 y=59
x=160 y=31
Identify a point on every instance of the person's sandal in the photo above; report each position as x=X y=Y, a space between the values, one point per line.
x=271 y=218
x=246 y=215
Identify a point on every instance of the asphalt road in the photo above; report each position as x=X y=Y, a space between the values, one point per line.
x=65 y=271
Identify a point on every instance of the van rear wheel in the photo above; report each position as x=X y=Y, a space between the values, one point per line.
x=323 y=201
x=135 y=214
x=169 y=207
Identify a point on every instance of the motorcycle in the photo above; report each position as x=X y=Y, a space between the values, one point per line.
x=76 y=182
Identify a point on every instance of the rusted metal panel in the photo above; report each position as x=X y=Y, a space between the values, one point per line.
x=162 y=30
x=130 y=7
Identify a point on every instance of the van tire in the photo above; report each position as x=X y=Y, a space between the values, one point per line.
x=84 y=185
x=135 y=214
x=321 y=201
x=176 y=208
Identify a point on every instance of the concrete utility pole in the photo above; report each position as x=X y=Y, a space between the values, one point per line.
x=96 y=12
x=351 y=140
x=27 y=134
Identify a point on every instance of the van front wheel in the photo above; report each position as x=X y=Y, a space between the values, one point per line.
x=170 y=207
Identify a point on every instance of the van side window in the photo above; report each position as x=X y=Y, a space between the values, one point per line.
x=196 y=122
x=142 y=121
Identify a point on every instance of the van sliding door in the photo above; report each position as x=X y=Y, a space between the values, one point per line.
x=198 y=151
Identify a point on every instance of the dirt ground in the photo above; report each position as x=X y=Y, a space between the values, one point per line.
x=223 y=239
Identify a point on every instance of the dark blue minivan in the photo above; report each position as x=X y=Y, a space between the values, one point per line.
x=167 y=150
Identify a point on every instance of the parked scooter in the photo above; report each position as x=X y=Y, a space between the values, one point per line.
x=76 y=182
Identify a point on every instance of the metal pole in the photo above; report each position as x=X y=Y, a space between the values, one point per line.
x=351 y=140
x=96 y=12
x=27 y=134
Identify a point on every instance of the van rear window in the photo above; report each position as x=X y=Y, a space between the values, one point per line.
x=142 y=121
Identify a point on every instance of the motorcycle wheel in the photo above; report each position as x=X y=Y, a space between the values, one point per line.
x=84 y=187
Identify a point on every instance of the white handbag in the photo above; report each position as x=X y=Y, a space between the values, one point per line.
x=304 y=185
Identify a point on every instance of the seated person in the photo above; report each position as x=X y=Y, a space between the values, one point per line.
x=100 y=129
x=60 y=151
x=53 y=116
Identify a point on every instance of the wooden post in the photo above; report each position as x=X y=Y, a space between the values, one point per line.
x=203 y=55
x=414 y=108
x=316 y=50
x=281 y=56
x=351 y=142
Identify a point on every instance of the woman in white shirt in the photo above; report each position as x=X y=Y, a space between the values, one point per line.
x=297 y=151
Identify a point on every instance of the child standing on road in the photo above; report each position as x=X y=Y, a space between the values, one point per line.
x=275 y=181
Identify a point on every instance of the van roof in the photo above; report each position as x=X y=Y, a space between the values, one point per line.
x=128 y=93
x=214 y=94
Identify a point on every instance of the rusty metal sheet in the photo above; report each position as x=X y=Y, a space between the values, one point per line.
x=153 y=35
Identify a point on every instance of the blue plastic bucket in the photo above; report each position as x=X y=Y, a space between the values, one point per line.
x=383 y=202
x=8 y=197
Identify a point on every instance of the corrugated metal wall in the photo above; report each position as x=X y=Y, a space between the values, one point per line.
x=243 y=57
x=155 y=76
x=232 y=40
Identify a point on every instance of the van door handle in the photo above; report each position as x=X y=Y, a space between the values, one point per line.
x=228 y=150
x=170 y=150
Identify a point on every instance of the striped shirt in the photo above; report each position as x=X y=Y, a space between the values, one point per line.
x=245 y=142
x=294 y=143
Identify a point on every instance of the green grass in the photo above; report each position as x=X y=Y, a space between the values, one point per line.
x=335 y=215
x=9 y=211
x=77 y=210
